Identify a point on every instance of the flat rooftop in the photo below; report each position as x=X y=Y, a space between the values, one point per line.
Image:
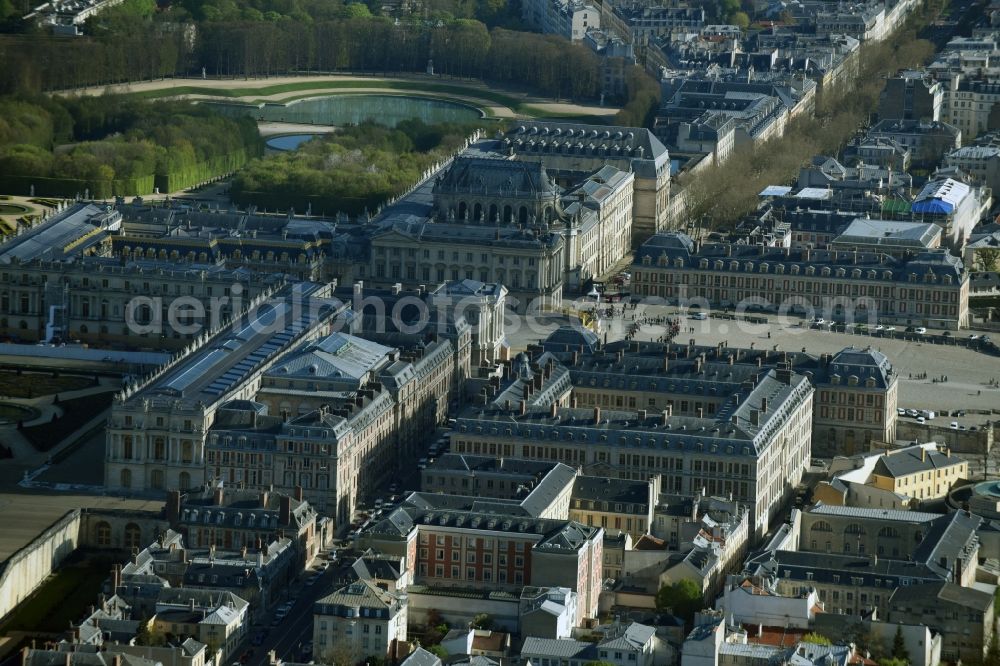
x=25 y=516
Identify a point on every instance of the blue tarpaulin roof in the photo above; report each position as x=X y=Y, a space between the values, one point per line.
x=940 y=197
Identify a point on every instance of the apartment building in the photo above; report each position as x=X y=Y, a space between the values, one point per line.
x=964 y=617
x=332 y=419
x=755 y=445
x=853 y=567
x=232 y=518
x=895 y=479
x=358 y=620
x=157 y=431
x=855 y=402
x=931 y=289
x=454 y=544
x=107 y=302
x=218 y=619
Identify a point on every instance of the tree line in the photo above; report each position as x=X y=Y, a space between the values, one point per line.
x=132 y=48
x=113 y=145
x=720 y=195
x=352 y=170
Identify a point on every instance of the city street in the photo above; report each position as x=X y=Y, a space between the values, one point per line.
x=287 y=639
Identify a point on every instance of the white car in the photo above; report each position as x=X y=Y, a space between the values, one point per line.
x=912 y=413
x=890 y=329
x=973 y=337
x=879 y=327
x=699 y=316
x=900 y=411
x=920 y=330
x=921 y=419
x=819 y=321
x=954 y=425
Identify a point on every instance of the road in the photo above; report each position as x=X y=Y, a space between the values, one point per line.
x=287 y=638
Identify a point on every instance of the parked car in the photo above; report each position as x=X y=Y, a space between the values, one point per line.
x=921 y=419
x=927 y=414
x=954 y=424
x=900 y=411
x=699 y=316
x=912 y=413
x=920 y=330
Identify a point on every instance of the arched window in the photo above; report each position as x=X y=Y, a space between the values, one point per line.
x=156 y=479
x=187 y=449
x=126 y=478
x=133 y=536
x=822 y=526
x=127 y=448
x=477 y=212
x=184 y=481
x=889 y=533
x=103 y=533
x=854 y=528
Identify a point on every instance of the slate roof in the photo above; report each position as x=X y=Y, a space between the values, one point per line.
x=605 y=489
x=890 y=232
x=337 y=356
x=678 y=245
x=495 y=176
x=908 y=461
x=633 y=636
x=421 y=657
x=946 y=592
x=558 y=648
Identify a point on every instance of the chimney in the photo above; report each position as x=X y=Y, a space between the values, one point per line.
x=173 y=506
x=597 y=415
x=923 y=454
x=243 y=552
x=218 y=495
x=284 y=511
x=670 y=409
x=298 y=494
x=572 y=402
x=642 y=416
x=524 y=407
x=69 y=658
x=116 y=578
x=264 y=497
x=664 y=416
x=755 y=417
x=575 y=357
x=554 y=409
x=874 y=559
x=763 y=404
x=116 y=660
x=191 y=604
x=701 y=412
x=666 y=363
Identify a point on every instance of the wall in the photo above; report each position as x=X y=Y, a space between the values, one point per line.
x=459 y=610
x=25 y=570
x=959 y=441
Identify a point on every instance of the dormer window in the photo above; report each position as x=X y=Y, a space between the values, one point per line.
x=764 y=267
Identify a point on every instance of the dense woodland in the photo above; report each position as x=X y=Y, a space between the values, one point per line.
x=112 y=145
x=138 y=40
x=353 y=170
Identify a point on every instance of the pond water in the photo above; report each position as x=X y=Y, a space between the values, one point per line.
x=289 y=141
x=354 y=109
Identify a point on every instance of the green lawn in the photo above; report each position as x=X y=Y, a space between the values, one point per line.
x=63 y=597
x=35 y=384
